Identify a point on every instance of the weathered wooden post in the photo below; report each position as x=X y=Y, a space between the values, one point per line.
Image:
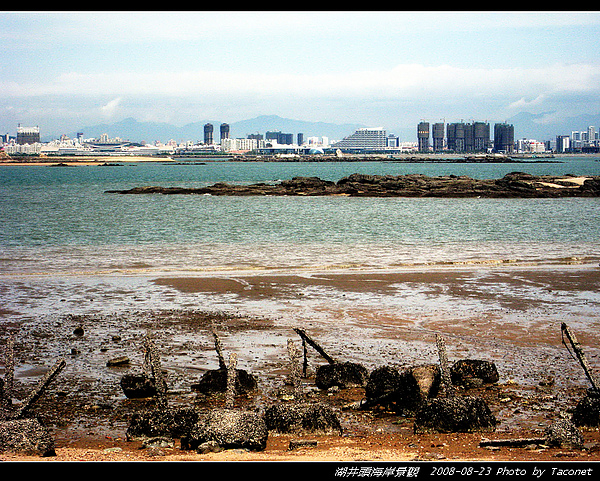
x=580 y=355
x=231 y=375
x=152 y=360
x=445 y=370
x=294 y=367
x=218 y=347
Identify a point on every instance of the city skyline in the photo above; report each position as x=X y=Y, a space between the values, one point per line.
x=389 y=68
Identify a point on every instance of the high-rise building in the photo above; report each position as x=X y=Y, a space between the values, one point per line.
x=481 y=136
x=224 y=131
x=280 y=137
x=28 y=135
x=364 y=139
x=423 y=136
x=455 y=136
x=563 y=143
x=438 y=136
x=300 y=138
x=208 y=134
x=504 y=138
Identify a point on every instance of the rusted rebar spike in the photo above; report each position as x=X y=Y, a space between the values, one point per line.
x=39 y=389
x=315 y=345
x=445 y=371
x=580 y=355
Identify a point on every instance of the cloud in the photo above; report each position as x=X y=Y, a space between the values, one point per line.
x=110 y=108
x=400 y=93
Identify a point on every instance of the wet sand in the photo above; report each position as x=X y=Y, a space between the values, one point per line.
x=509 y=315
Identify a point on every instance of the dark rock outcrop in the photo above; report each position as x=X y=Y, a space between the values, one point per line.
x=229 y=429
x=138 y=386
x=27 y=436
x=473 y=372
x=455 y=414
x=402 y=391
x=563 y=433
x=298 y=418
x=512 y=185
x=171 y=423
x=587 y=411
x=341 y=374
x=215 y=381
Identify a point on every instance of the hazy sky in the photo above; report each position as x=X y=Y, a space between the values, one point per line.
x=65 y=70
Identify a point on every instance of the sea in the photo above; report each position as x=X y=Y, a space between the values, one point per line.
x=60 y=220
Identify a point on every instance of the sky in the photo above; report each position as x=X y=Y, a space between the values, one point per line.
x=64 y=70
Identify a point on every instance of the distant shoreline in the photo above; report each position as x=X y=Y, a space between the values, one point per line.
x=391 y=158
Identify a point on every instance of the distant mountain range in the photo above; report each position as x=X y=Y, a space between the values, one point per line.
x=527 y=125
x=134 y=131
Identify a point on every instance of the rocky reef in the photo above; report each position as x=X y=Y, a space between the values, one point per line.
x=512 y=185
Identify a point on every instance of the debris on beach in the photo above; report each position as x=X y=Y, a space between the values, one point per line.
x=587 y=411
x=228 y=428
x=470 y=373
x=215 y=380
x=341 y=374
x=19 y=431
x=562 y=433
x=451 y=413
x=300 y=416
x=402 y=391
x=161 y=420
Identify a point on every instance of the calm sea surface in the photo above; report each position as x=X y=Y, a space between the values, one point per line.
x=59 y=220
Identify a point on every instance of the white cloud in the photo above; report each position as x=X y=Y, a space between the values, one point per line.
x=401 y=80
x=111 y=107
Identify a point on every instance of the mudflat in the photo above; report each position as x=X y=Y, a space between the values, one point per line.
x=508 y=315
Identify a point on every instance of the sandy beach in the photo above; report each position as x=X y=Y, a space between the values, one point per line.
x=508 y=315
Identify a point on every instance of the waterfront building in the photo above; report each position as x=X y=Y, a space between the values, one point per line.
x=455 y=137
x=300 y=138
x=280 y=137
x=423 y=136
x=364 y=139
x=208 y=134
x=504 y=137
x=438 y=136
x=224 y=131
x=241 y=145
x=28 y=135
x=563 y=143
x=481 y=136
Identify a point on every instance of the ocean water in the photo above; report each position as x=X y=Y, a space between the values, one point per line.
x=60 y=221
